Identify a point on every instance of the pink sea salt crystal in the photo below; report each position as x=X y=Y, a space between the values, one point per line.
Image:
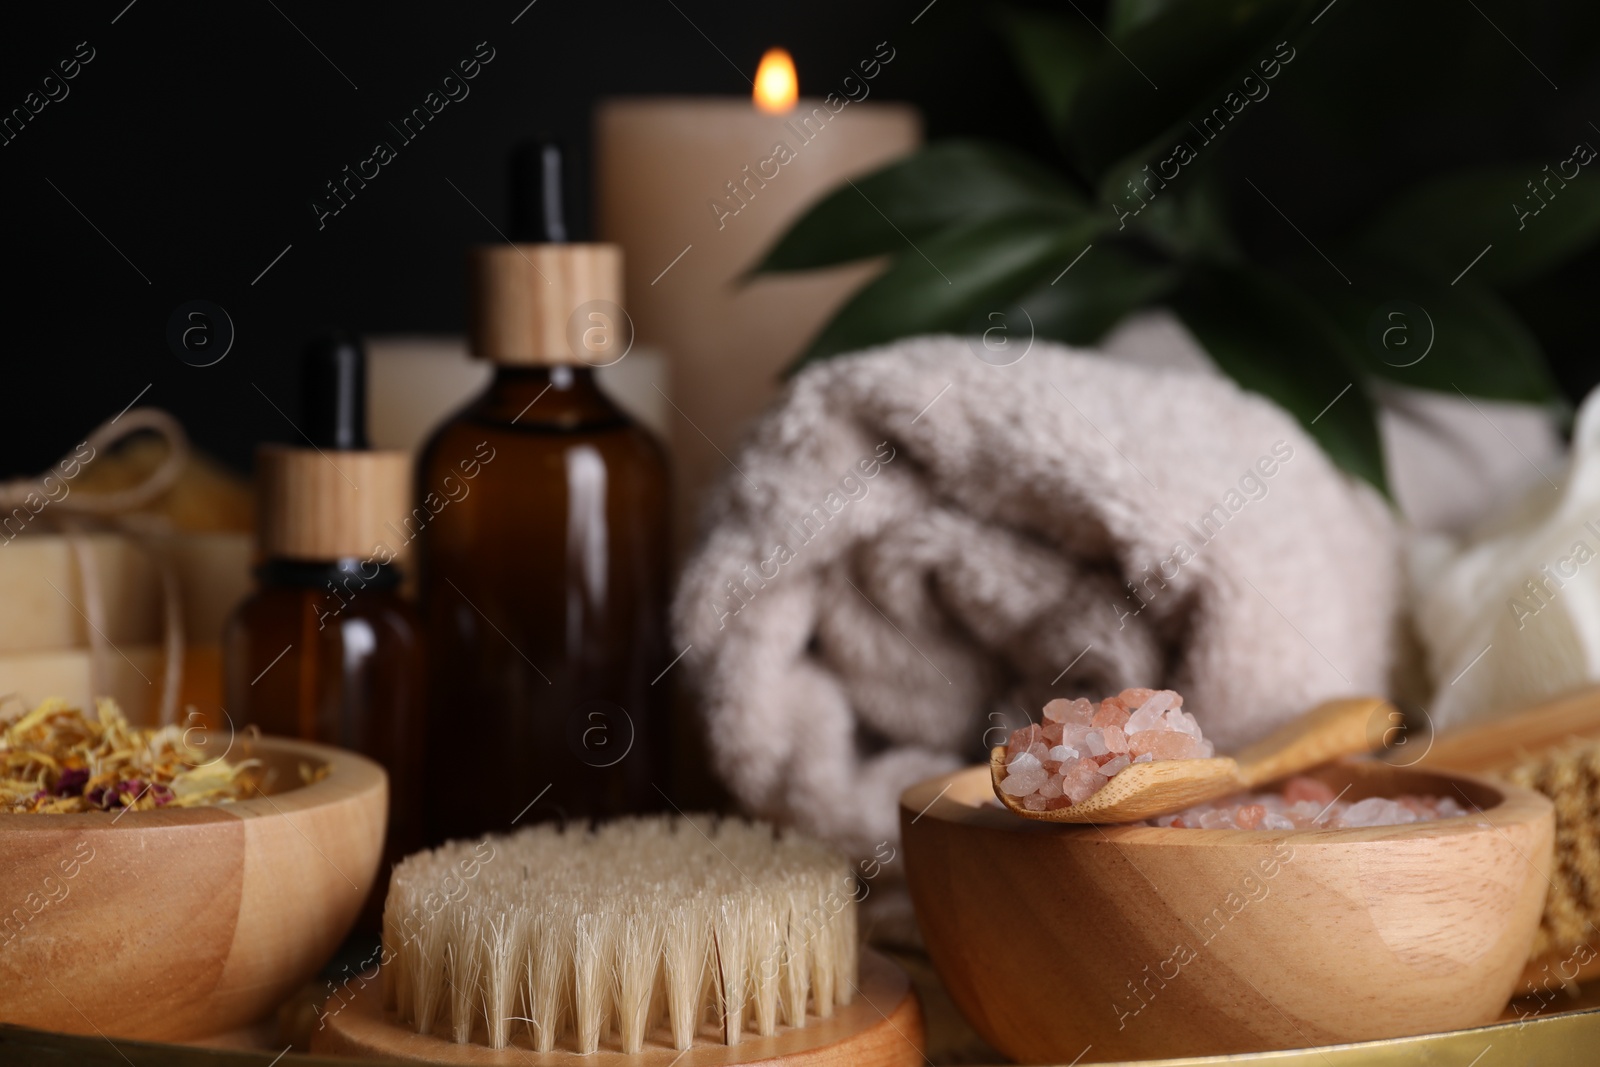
x=1447 y=808
x=1307 y=812
x=1112 y=766
x=1082 y=781
x=1019 y=741
x=1376 y=811
x=1075 y=735
x=1302 y=788
x=1148 y=715
x=1110 y=713
x=1163 y=744
x=1069 y=711
x=1023 y=783
x=1082 y=744
x=1024 y=775
x=1270 y=811
x=1181 y=722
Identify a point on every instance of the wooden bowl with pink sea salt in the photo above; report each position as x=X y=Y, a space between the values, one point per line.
x=1061 y=941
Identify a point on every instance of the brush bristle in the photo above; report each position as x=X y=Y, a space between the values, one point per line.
x=653 y=928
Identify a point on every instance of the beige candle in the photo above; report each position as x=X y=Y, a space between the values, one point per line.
x=696 y=190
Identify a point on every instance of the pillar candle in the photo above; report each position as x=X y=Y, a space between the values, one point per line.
x=696 y=190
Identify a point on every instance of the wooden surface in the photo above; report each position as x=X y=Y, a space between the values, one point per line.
x=524 y=297
x=1139 y=942
x=326 y=504
x=176 y=923
x=881 y=1028
x=1144 y=790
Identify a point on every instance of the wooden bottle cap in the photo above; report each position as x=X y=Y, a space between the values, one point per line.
x=330 y=504
x=529 y=300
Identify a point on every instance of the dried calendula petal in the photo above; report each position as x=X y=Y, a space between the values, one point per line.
x=55 y=759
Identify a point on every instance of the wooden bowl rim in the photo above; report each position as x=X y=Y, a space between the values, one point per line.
x=349 y=774
x=949 y=799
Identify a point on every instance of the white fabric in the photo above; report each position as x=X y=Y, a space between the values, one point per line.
x=1511 y=615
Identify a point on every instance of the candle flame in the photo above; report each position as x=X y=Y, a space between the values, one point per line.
x=777 y=87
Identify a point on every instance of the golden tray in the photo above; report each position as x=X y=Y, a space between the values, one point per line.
x=1569 y=1038
x=1530 y=1032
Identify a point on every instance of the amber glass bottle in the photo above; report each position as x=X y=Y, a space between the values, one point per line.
x=544 y=567
x=326 y=649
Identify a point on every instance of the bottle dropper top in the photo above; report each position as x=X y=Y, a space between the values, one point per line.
x=335 y=499
x=542 y=183
x=533 y=301
x=333 y=391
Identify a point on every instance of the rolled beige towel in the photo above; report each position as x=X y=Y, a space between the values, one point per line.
x=915 y=549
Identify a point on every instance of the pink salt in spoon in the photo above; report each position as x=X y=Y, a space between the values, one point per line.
x=1161 y=787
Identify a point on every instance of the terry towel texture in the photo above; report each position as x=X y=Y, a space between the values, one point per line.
x=915 y=549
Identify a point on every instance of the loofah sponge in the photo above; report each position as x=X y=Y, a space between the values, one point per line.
x=1570 y=777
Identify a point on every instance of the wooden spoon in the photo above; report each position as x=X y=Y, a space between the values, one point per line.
x=1161 y=787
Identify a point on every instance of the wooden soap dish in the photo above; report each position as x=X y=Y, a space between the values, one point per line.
x=882 y=1027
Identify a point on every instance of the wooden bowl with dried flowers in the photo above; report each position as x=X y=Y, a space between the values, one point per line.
x=170 y=884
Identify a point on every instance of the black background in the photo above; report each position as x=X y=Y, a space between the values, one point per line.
x=198 y=136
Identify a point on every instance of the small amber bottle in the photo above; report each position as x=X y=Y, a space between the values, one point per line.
x=544 y=567
x=326 y=649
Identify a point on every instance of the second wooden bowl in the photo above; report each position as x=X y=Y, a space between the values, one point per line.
x=184 y=922
x=1059 y=942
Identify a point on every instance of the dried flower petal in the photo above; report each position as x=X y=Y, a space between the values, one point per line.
x=55 y=759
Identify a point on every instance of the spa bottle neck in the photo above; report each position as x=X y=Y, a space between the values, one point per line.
x=554 y=396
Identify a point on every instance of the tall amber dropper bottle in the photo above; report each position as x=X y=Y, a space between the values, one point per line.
x=326 y=649
x=544 y=576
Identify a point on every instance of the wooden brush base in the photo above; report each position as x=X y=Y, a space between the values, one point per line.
x=882 y=1027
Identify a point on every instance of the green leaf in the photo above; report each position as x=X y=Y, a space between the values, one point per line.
x=1183 y=61
x=1125 y=16
x=1270 y=339
x=947 y=183
x=1411 y=327
x=1446 y=222
x=952 y=280
x=1188 y=221
x=1081 y=305
x=1054 y=52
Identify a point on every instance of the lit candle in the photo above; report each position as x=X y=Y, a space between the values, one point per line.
x=696 y=190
